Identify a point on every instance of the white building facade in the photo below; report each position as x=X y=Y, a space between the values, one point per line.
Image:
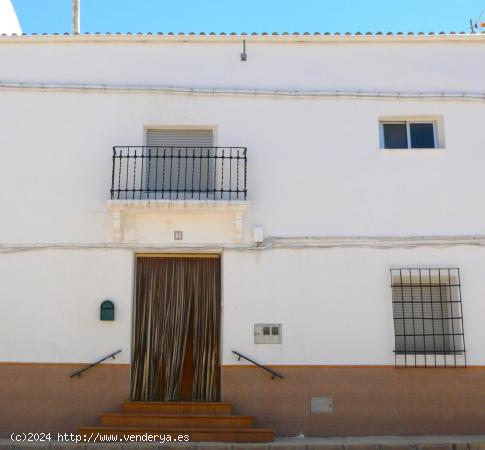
x=340 y=188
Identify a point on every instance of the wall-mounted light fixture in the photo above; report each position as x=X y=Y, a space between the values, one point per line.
x=107 y=310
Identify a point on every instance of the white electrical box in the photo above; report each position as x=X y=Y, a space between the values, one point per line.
x=267 y=333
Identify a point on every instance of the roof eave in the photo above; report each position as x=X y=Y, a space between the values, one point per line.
x=232 y=37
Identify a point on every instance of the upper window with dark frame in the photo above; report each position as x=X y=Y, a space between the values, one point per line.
x=408 y=135
x=428 y=318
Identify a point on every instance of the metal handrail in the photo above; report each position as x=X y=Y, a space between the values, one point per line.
x=272 y=372
x=79 y=372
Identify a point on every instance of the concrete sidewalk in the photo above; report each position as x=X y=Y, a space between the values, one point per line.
x=297 y=443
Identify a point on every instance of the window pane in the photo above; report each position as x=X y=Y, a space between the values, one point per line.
x=395 y=135
x=422 y=135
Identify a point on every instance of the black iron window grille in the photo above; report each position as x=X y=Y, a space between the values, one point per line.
x=428 y=318
x=179 y=173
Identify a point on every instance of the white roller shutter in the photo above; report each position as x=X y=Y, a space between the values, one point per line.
x=179 y=138
x=184 y=166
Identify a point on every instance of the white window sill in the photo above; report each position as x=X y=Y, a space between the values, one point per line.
x=413 y=150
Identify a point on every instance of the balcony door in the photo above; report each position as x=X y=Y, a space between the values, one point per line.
x=176 y=323
x=180 y=163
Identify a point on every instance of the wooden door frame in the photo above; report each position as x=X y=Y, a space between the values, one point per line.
x=173 y=254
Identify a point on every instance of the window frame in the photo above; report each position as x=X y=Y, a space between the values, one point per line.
x=183 y=129
x=415 y=282
x=408 y=124
x=441 y=336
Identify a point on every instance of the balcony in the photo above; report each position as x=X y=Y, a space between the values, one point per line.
x=179 y=173
x=178 y=180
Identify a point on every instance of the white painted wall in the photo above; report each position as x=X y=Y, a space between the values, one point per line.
x=50 y=303
x=315 y=169
x=9 y=23
x=441 y=65
x=198 y=227
x=335 y=305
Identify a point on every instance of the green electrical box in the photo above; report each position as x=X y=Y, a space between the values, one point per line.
x=107 y=310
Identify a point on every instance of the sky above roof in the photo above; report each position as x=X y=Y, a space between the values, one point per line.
x=51 y=16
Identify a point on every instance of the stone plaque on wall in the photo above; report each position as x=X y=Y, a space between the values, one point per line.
x=321 y=405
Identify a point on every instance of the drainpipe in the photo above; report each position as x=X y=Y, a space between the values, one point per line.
x=76 y=19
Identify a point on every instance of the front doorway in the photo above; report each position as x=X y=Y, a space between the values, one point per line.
x=176 y=328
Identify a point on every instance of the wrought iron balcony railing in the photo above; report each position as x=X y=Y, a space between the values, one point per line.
x=179 y=173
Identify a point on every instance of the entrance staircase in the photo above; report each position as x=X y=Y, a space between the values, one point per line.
x=194 y=421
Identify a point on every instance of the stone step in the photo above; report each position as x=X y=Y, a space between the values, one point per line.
x=175 y=421
x=189 y=408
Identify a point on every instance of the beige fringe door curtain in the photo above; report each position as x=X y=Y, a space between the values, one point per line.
x=173 y=293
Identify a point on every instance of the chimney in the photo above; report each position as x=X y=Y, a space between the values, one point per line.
x=76 y=17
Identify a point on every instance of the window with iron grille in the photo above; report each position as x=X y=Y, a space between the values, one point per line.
x=428 y=318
